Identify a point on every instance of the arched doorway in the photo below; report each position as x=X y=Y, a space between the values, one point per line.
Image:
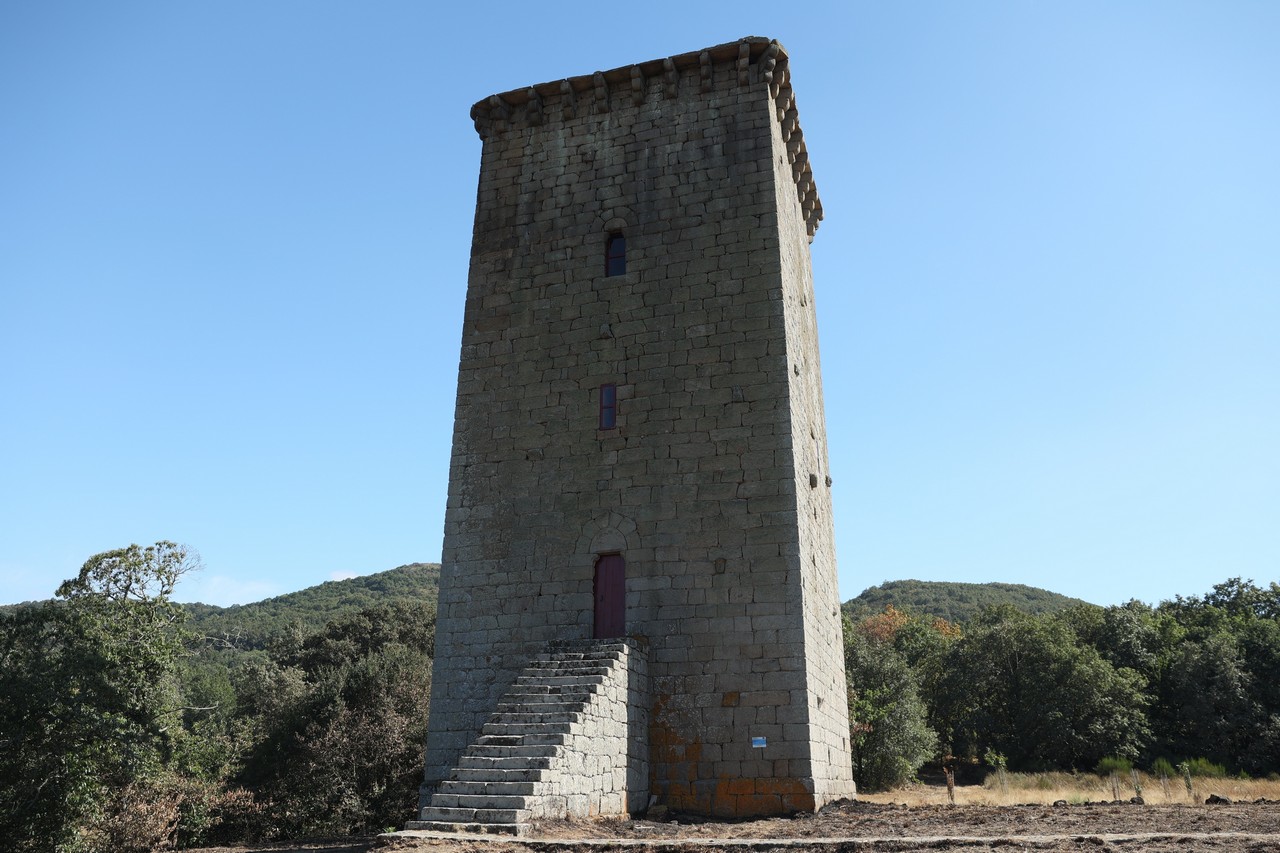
x=611 y=597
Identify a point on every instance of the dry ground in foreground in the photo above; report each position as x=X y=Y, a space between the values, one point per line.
x=883 y=827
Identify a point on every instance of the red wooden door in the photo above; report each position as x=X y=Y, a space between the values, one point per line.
x=611 y=599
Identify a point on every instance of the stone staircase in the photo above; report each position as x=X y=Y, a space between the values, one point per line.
x=522 y=766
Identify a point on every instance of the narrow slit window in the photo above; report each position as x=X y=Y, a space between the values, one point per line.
x=608 y=406
x=615 y=255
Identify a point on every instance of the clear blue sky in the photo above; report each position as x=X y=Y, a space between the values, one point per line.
x=234 y=239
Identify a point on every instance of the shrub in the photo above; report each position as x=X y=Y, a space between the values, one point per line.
x=1113 y=764
x=1205 y=769
x=1163 y=767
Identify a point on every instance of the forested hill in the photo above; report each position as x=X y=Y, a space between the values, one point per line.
x=250 y=625
x=955 y=602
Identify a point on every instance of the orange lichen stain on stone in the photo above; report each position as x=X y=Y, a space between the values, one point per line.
x=730 y=699
x=676 y=780
x=760 y=796
x=673 y=758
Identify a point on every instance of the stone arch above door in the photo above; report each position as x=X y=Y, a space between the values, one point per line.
x=610 y=534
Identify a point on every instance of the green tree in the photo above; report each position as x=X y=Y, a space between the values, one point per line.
x=1025 y=687
x=340 y=723
x=1127 y=636
x=1218 y=688
x=889 y=738
x=88 y=705
x=1209 y=709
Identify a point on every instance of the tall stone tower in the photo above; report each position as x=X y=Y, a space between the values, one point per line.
x=639 y=447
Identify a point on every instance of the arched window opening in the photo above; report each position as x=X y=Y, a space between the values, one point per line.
x=608 y=406
x=615 y=255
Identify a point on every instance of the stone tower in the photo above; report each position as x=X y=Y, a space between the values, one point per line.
x=639 y=445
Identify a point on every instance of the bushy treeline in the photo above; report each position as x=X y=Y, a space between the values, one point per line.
x=1193 y=679
x=253 y=626
x=954 y=601
x=121 y=729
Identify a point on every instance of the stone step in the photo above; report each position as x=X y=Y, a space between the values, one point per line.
x=583 y=647
x=547 y=738
x=485 y=788
x=515 y=762
x=569 y=662
x=559 y=680
x=450 y=815
x=453 y=814
x=565 y=692
x=534 y=704
x=573 y=667
x=535 y=718
x=524 y=750
x=492 y=789
x=474 y=828
x=527 y=676
x=479 y=802
x=500 y=774
x=551 y=694
x=524 y=730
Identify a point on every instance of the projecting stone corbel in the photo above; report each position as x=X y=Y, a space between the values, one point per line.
x=744 y=64
x=704 y=61
x=789 y=123
x=782 y=74
x=793 y=146
x=601 y=89
x=670 y=77
x=767 y=64
x=499 y=108
x=533 y=107
x=481 y=121
x=637 y=85
x=568 y=100
x=786 y=101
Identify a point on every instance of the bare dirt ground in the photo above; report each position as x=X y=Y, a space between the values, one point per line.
x=879 y=828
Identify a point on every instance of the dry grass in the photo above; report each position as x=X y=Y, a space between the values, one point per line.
x=1047 y=788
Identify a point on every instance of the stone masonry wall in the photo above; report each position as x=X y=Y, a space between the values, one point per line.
x=704 y=486
x=828 y=712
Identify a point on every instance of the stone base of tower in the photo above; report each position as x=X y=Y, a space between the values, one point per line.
x=750 y=797
x=743 y=753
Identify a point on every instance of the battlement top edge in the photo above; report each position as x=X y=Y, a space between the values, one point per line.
x=757 y=59
x=720 y=54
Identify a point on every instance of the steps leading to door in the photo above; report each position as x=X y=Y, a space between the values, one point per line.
x=568 y=738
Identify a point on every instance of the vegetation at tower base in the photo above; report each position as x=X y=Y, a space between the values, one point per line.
x=89 y=705
x=123 y=729
x=335 y=725
x=1026 y=688
x=889 y=734
x=1192 y=680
